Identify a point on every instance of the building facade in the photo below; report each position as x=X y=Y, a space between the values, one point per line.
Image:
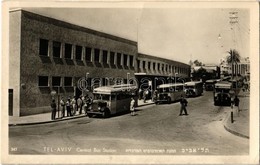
x=49 y=55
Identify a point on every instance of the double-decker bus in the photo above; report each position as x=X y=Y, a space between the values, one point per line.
x=109 y=100
x=170 y=92
x=223 y=93
x=193 y=88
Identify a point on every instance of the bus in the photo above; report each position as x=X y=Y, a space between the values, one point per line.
x=223 y=93
x=110 y=100
x=209 y=85
x=193 y=88
x=170 y=92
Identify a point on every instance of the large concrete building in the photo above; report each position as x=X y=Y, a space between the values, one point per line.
x=47 y=54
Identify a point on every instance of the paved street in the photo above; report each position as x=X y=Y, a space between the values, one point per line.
x=156 y=129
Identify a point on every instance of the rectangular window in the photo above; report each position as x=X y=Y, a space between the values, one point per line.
x=68 y=51
x=143 y=64
x=154 y=66
x=88 y=54
x=149 y=65
x=44 y=47
x=131 y=62
x=68 y=81
x=112 y=58
x=56 y=81
x=138 y=63
x=43 y=81
x=56 y=49
x=104 y=56
x=162 y=67
x=125 y=59
x=166 y=68
x=96 y=53
x=118 y=59
x=159 y=66
x=78 y=52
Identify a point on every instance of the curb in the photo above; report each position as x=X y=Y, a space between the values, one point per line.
x=236 y=133
x=44 y=122
x=232 y=131
x=58 y=120
x=145 y=104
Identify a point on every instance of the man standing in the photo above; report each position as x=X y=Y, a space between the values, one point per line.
x=132 y=107
x=62 y=104
x=183 y=103
x=68 y=107
x=79 y=103
x=236 y=102
x=53 y=110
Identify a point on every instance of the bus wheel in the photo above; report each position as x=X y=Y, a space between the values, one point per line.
x=106 y=113
x=89 y=115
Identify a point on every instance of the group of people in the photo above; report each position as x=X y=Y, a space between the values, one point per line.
x=72 y=106
x=147 y=94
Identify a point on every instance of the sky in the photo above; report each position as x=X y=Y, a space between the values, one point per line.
x=180 y=34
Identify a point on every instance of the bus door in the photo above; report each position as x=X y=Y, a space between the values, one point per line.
x=113 y=101
x=122 y=103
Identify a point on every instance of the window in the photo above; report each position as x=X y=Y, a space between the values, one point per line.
x=159 y=66
x=154 y=66
x=118 y=59
x=43 y=81
x=131 y=62
x=149 y=65
x=125 y=59
x=56 y=49
x=166 y=68
x=112 y=58
x=88 y=54
x=56 y=81
x=68 y=81
x=143 y=64
x=44 y=47
x=78 y=52
x=68 y=50
x=162 y=67
x=104 y=56
x=96 y=53
x=138 y=63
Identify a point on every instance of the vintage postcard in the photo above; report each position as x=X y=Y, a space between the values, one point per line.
x=130 y=82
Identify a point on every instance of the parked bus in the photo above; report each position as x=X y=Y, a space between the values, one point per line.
x=223 y=93
x=170 y=92
x=193 y=88
x=209 y=85
x=109 y=100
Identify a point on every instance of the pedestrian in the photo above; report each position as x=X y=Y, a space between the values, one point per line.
x=79 y=105
x=236 y=102
x=184 y=104
x=132 y=107
x=145 y=95
x=68 y=107
x=53 y=110
x=74 y=105
x=140 y=94
x=62 y=104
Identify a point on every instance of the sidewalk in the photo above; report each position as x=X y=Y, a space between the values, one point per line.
x=240 y=126
x=46 y=117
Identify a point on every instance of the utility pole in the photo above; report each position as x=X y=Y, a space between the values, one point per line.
x=233 y=20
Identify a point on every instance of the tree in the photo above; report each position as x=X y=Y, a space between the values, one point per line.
x=197 y=63
x=233 y=58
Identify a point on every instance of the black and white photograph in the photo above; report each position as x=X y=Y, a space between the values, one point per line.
x=130 y=82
